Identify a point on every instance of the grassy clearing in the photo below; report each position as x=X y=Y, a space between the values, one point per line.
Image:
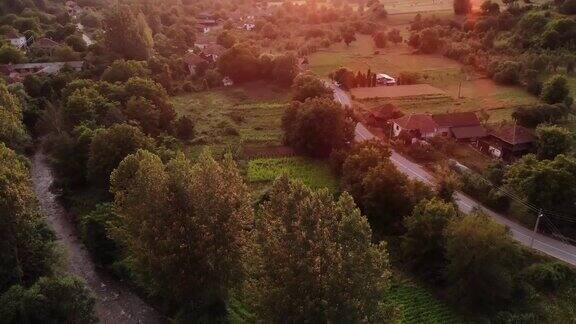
x=420 y=306
x=314 y=173
x=249 y=114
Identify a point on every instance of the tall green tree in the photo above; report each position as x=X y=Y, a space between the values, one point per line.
x=205 y=208
x=481 y=259
x=61 y=299
x=547 y=183
x=128 y=35
x=12 y=130
x=552 y=141
x=555 y=90
x=26 y=247
x=315 y=261
x=423 y=243
x=309 y=86
x=110 y=146
x=317 y=126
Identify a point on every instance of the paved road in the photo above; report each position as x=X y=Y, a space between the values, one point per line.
x=523 y=235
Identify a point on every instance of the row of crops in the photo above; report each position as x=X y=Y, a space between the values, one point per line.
x=419 y=306
x=314 y=173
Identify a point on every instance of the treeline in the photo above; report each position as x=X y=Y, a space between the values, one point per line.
x=514 y=45
x=31 y=287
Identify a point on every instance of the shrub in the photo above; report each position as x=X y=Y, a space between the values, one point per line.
x=547 y=276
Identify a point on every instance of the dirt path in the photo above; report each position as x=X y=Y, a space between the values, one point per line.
x=115 y=303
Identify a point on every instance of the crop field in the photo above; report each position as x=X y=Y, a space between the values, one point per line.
x=464 y=91
x=314 y=173
x=419 y=306
x=250 y=114
x=412 y=90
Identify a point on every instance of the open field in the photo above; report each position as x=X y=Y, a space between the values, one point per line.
x=314 y=173
x=250 y=114
x=464 y=90
x=412 y=90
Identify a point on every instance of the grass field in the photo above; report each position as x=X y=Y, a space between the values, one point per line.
x=465 y=91
x=314 y=173
x=250 y=115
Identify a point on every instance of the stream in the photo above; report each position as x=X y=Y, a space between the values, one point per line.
x=115 y=303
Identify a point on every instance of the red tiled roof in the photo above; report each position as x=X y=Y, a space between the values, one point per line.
x=457 y=119
x=192 y=59
x=514 y=134
x=422 y=122
x=466 y=132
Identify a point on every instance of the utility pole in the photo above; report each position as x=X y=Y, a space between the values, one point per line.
x=540 y=215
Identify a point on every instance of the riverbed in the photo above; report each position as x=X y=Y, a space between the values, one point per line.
x=115 y=303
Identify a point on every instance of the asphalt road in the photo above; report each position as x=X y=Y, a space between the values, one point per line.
x=523 y=235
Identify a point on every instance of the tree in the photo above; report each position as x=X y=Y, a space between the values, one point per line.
x=546 y=184
x=423 y=242
x=26 y=248
x=317 y=126
x=60 y=299
x=552 y=141
x=145 y=113
x=388 y=195
x=481 y=258
x=462 y=7
x=12 y=130
x=532 y=116
x=77 y=43
x=185 y=128
x=122 y=71
x=110 y=146
x=10 y=54
x=448 y=183
x=379 y=39
x=315 y=260
x=309 y=86
x=555 y=90
x=490 y=8
x=348 y=37
x=429 y=40
x=86 y=105
x=226 y=39
x=344 y=77
x=206 y=208
x=394 y=36
x=128 y=35
x=240 y=63
x=285 y=69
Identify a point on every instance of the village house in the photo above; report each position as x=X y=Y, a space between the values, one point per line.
x=17 y=72
x=459 y=125
x=462 y=126
x=508 y=142
x=419 y=126
x=16 y=39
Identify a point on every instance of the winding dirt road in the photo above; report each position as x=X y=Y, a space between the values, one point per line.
x=115 y=303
